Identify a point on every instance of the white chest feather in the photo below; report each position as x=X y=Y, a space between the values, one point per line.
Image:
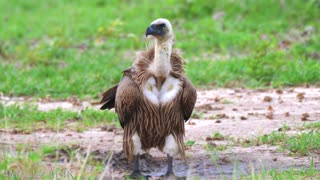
x=168 y=91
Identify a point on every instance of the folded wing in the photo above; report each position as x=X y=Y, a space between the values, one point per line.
x=128 y=98
x=189 y=98
x=108 y=98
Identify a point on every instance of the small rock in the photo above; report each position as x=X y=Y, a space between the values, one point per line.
x=269 y=115
x=262 y=90
x=222 y=116
x=213 y=138
x=287 y=114
x=305 y=117
x=209 y=138
x=267 y=99
x=300 y=96
x=279 y=91
x=217 y=99
x=104 y=128
x=212 y=144
x=111 y=128
x=15 y=131
x=243 y=118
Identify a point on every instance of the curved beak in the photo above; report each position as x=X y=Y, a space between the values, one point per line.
x=151 y=30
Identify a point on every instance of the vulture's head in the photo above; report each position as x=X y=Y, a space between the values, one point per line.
x=161 y=29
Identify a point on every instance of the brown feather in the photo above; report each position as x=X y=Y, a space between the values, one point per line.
x=189 y=98
x=108 y=98
x=128 y=96
x=137 y=114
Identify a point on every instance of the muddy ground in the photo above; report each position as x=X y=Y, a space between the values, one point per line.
x=237 y=114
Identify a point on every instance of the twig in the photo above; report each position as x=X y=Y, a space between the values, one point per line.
x=85 y=162
x=106 y=169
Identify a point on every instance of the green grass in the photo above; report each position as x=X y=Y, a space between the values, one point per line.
x=45 y=163
x=304 y=143
x=291 y=174
x=27 y=118
x=189 y=143
x=315 y=125
x=273 y=70
x=63 y=48
x=79 y=48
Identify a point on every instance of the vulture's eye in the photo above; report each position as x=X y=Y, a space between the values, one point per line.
x=161 y=26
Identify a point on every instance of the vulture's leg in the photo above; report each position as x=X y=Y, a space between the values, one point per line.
x=170 y=165
x=137 y=148
x=171 y=148
x=136 y=169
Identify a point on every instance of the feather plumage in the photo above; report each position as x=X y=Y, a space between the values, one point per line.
x=137 y=114
x=153 y=100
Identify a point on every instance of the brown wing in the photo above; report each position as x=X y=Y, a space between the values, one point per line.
x=108 y=98
x=189 y=98
x=127 y=99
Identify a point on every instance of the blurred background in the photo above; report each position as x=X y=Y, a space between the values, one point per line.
x=79 y=48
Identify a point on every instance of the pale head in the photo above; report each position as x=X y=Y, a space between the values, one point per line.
x=161 y=29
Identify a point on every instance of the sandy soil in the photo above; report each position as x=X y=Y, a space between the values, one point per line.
x=235 y=113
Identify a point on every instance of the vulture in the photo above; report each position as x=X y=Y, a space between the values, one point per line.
x=153 y=99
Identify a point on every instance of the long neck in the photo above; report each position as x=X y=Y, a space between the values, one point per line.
x=162 y=65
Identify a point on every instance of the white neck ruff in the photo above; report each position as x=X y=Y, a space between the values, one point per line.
x=161 y=65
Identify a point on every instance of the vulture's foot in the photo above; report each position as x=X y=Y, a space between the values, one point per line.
x=169 y=175
x=137 y=175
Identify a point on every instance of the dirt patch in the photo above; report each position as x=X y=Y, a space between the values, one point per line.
x=234 y=113
x=247 y=113
x=47 y=104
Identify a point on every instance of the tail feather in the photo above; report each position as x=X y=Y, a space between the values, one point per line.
x=108 y=98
